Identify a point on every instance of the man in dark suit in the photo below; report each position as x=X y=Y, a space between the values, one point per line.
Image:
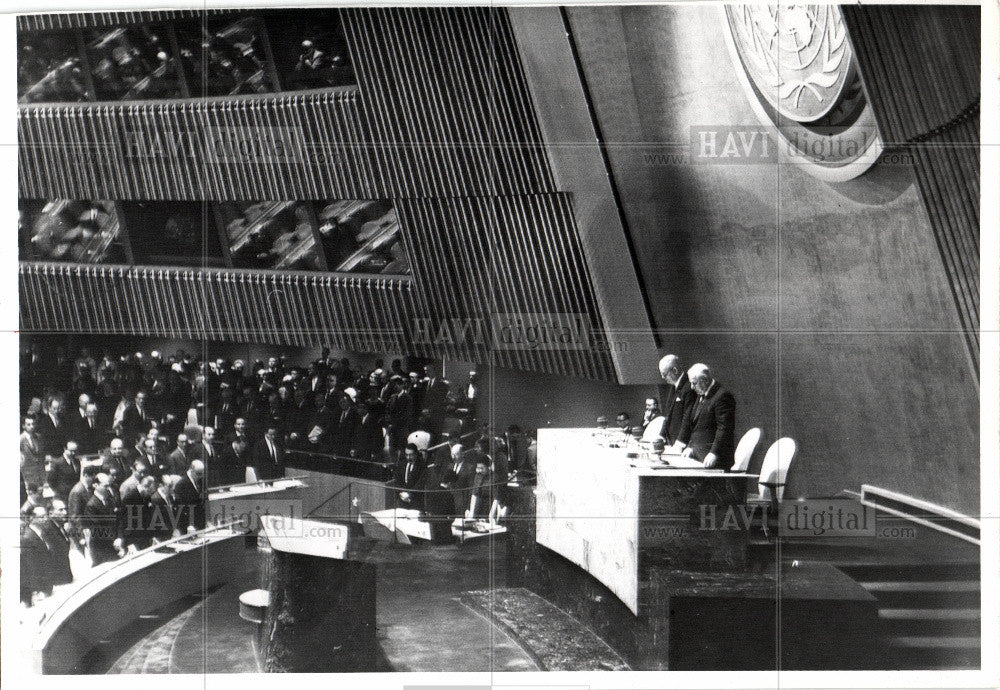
x=409 y=479
x=232 y=465
x=368 y=437
x=32 y=454
x=460 y=475
x=34 y=558
x=103 y=524
x=79 y=496
x=399 y=414
x=268 y=457
x=435 y=397
x=676 y=396
x=164 y=513
x=179 y=459
x=58 y=541
x=345 y=427
x=88 y=432
x=709 y=428
x=138 y=418
x=52 y=427
x=118 y=458
x=63 y=473
x=138 y=514
x=189 y=496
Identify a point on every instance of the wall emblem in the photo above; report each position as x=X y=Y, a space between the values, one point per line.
x=797 y=66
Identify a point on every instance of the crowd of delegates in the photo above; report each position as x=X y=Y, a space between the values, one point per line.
x=117 y=451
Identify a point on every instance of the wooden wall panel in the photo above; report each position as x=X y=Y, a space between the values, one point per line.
x=187 y=149
x=921 y=68
x=473 y=258
x=447 y=100
x=364 y=313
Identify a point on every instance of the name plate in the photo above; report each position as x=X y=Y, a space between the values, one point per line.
x=308 y=537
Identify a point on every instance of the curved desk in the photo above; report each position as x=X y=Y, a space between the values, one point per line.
x=616 y=515
x=77 y=619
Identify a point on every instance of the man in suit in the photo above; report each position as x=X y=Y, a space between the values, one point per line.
x=79 y=496
x=53 y=428
x=409 y=478
x=103 y=524
x=368 y=437
x=58 y=541
x=435 y=397
x=138 y=419
x=460 y=475
x=32 y=454
x=205 y=451
x=232 y=465
x=34 y=559
x=77 y=419
x=63 y=473
x=399 y=414
x=138 y=514
x=119 y=459
x=89 y=433
x=268 y=458
x=709 y=428
x=179 y=459
x=676 y=396
x=189 y=496
x=165 y=515
x=346 y=425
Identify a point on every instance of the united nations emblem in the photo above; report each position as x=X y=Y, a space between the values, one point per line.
x=798 y=68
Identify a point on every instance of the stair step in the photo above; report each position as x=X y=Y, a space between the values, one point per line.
x=943 y=614
x=926 y=586
x=936 y=643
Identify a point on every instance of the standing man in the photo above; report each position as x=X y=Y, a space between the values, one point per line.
x=103 y=524
x=709 y=428
x=63 y=473
x=269 y=457
x=676 y=396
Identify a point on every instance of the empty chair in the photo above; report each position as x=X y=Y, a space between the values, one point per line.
x=654 y=429
x=744 y=449
x=774 y=470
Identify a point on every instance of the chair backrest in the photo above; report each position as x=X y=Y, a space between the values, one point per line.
x=251 y=475
x=745 y=449
x=654 y=429
x=774 y=469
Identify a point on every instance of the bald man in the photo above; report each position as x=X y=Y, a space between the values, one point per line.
x=709 y=428
x=676 y=396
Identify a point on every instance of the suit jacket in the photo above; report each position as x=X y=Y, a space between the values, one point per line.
x=711 y=426
x=190 y=500
x=90 y=440
x=674 y=402
x=164 y=516
x=79 y=495
x=134 y=423
x=32 y=460
x=62 y=476
x=344 y=430
x=410 y=477
x=231 y=468
x=104 y=519
x=136 y=518
x=268 y=466
x=178 y=461
x=367 y=437
x=58 y=542
x=53 y=437
x=35 y=575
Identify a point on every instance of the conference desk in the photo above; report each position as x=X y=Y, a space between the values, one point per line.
x=614 y=508
x=80 y=615
x=652 y=555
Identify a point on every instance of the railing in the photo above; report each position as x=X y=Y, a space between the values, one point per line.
x=346 y=311
x=52 y=617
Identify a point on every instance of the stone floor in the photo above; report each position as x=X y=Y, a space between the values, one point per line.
x=422 y=624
